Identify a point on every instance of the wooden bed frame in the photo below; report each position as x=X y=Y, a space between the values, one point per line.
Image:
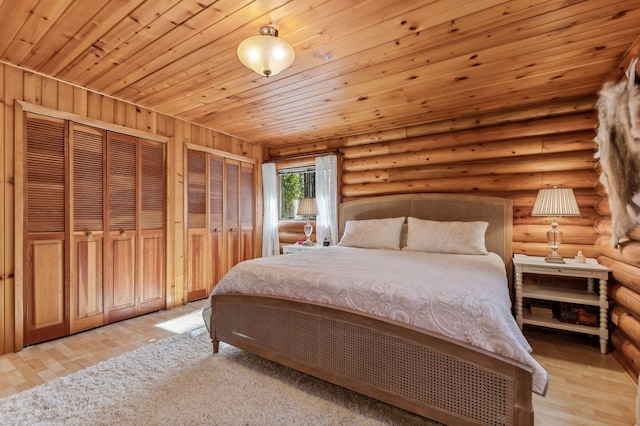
x=425 y=373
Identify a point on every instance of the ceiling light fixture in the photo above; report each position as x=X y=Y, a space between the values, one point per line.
x=266 y=54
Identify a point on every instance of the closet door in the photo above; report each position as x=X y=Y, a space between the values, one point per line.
x=247 y=210
x=220 y=211
x=198 y=275
x=216 y=217
x=152 y=224
x=46 y=297
x=120 y=272
x=87 y=146
x=232 y=212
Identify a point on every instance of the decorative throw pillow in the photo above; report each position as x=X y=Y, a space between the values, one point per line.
x=373 y=233
x=446 y=237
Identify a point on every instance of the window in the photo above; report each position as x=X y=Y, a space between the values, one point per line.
x=295 y=184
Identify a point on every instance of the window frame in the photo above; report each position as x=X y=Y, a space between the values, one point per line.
x=308 y=189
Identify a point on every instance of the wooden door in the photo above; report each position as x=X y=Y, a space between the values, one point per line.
x=46 y=289
x=120 y=273
x=87 y=146
x=247 y=211
x=198 y=275
x=232 y=212
x=216 y=217
x=220 y=218
x=151 y=288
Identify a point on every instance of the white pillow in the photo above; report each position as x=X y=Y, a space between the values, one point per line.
x=446 y=237
x=373 y=233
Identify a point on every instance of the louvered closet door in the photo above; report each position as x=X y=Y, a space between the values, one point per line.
x=152 y=226
x=247 y=210
x=87 y=146
x=46 y=298
x=232 y=212
x=120 y=272
x=220 y=218
x=216 y=214
x=198 y=269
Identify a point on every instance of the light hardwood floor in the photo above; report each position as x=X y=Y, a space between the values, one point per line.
x=586 y=387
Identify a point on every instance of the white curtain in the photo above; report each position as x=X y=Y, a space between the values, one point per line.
x=327 y=199
x=270 y=240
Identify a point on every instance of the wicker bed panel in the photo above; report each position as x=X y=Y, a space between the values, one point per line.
x=402 y=368
x=257 y=326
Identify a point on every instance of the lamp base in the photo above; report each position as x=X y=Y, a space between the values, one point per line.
x=308 y=229
x=551 y=258
x=554 y=238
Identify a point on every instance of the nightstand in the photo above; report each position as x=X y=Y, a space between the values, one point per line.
x=297 y=248
x=591 y=270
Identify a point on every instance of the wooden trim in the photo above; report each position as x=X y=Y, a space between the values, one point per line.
x=294 y=163
x=67 y=226
x=618 y=72
x=220 y=153
x=19 y=184
x=49 y=112
x=185 y=225
x=313 y=155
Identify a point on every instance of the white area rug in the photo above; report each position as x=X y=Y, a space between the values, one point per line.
x=179 y=381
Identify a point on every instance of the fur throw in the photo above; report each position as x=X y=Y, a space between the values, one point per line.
x=618 y=139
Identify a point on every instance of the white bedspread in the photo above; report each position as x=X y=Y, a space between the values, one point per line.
x=464 y=297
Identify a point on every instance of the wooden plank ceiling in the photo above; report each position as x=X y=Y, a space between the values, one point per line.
x=360 y=66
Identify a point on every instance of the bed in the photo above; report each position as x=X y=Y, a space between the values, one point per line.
x=315 y=313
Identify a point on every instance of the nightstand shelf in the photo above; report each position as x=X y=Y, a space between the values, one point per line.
x=556 y=324
x=560 y=295
x=590 y=270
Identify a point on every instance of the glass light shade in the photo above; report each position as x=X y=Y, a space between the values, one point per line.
x=266 y=54
x=555 y=202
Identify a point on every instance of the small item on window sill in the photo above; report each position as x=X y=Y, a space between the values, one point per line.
x=300 y=242
x=580 y=258
x=326 y=242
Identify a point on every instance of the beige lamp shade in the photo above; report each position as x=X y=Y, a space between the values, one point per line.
x=266 y=54
x=307 y=207
x=555 y=202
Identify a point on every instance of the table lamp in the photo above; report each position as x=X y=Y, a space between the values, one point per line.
x=555 y=202
x=306 y=208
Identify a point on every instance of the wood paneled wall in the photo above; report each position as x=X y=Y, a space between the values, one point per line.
x=20 y=85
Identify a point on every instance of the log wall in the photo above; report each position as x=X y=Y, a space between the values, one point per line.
x=624 y=291
x=513 y=155
x=19 y=85
x=510 y=155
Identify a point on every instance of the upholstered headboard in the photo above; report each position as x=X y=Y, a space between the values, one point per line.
x=498 y=212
